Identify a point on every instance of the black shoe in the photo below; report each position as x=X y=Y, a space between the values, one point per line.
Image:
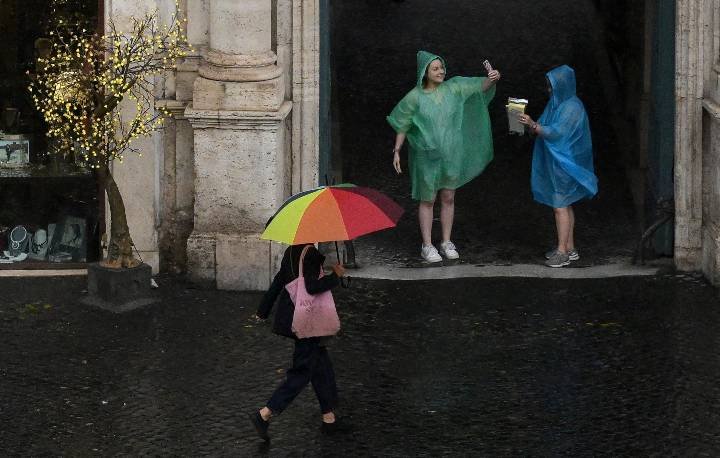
x=261 y=426
x=337 y=427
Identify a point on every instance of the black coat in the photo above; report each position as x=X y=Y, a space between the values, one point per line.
x=288 y=272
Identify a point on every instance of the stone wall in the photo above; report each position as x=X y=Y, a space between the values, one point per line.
x=697 y=151
x=711 y=192
x=199 y=197
x=711 y=140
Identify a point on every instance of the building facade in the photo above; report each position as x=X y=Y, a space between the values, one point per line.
x=246 y=134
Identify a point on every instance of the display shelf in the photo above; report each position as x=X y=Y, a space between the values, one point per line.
x=43 y=172
x=43 y=265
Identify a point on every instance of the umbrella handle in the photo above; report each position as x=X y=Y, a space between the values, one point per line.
x=344 y=281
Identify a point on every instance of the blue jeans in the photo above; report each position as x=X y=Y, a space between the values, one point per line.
x=311 y=364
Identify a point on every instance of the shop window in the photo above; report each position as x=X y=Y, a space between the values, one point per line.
x=50 y=207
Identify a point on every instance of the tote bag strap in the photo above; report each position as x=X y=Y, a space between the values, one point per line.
x=302 y=255
x=302 y=258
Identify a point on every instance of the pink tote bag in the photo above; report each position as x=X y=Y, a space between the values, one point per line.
x=315 y=315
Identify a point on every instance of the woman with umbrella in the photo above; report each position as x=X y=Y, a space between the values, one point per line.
x=328 y=213
x=448 y=127
x=311 y=362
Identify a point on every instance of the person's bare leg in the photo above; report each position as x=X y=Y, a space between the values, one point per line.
x=425 y=217
x=562 y=224
x=571 y=235
x=447 y=212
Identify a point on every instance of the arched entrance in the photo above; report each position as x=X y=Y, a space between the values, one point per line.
x=371 y=57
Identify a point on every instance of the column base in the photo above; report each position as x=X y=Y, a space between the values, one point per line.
x=201 y=259
x=711 y=253
x=235 y=262
x=688 y=259
x=688 y=243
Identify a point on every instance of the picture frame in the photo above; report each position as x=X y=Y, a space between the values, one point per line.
x=14 y=151
x=68 y=241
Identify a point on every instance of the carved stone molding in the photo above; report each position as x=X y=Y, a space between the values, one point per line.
x=237 y=120
x=219 y=66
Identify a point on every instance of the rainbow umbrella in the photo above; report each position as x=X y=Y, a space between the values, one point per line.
x=332 y=213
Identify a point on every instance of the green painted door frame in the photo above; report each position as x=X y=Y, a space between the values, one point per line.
x=662 y=116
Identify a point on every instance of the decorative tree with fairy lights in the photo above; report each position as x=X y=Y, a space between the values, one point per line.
x=79 y=90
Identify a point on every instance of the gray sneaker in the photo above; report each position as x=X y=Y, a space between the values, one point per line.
x=558 y=260
x=573 y=254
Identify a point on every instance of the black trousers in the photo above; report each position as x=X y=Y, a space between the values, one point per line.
x=311 y=364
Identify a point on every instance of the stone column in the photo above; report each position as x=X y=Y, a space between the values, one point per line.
x=688 y=135
x=198 y=33
x=711 y=142
x=177 y=188
x=283 y=41
x=238 y=114
x=306 y=94
x=178 y=159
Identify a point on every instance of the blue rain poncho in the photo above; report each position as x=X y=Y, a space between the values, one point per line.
x=448 y=131
x=562 y=166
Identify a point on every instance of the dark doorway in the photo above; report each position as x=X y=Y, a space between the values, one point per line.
x=372 y=57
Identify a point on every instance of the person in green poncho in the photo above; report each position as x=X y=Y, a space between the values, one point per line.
x=447 y=126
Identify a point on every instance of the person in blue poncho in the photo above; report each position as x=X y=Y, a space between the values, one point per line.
x=562 y=165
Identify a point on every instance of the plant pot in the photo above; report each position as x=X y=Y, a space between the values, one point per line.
x=119 y=290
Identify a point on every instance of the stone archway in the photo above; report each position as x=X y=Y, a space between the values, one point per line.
x=697 y=137
x=497 y=221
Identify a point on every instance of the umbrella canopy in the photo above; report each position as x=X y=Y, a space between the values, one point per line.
x=330 y=213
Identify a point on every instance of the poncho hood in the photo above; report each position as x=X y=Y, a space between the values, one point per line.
x=423 y=60
x=562 y=80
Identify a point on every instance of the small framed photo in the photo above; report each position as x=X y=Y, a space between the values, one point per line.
x=68 y=240
x=14 y=152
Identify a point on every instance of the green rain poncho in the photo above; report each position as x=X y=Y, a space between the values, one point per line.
x=448 y=130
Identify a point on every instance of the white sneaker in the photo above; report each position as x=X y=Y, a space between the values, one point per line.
x=430 y=254
x=448 y=250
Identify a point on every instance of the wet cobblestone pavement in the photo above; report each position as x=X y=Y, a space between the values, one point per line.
x=485 y=367
x=497 y=222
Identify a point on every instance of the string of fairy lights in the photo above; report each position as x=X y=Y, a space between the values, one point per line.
x=80 y=85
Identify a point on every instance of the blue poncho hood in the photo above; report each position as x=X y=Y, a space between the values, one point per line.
x=562 y=80
x=562 y=169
